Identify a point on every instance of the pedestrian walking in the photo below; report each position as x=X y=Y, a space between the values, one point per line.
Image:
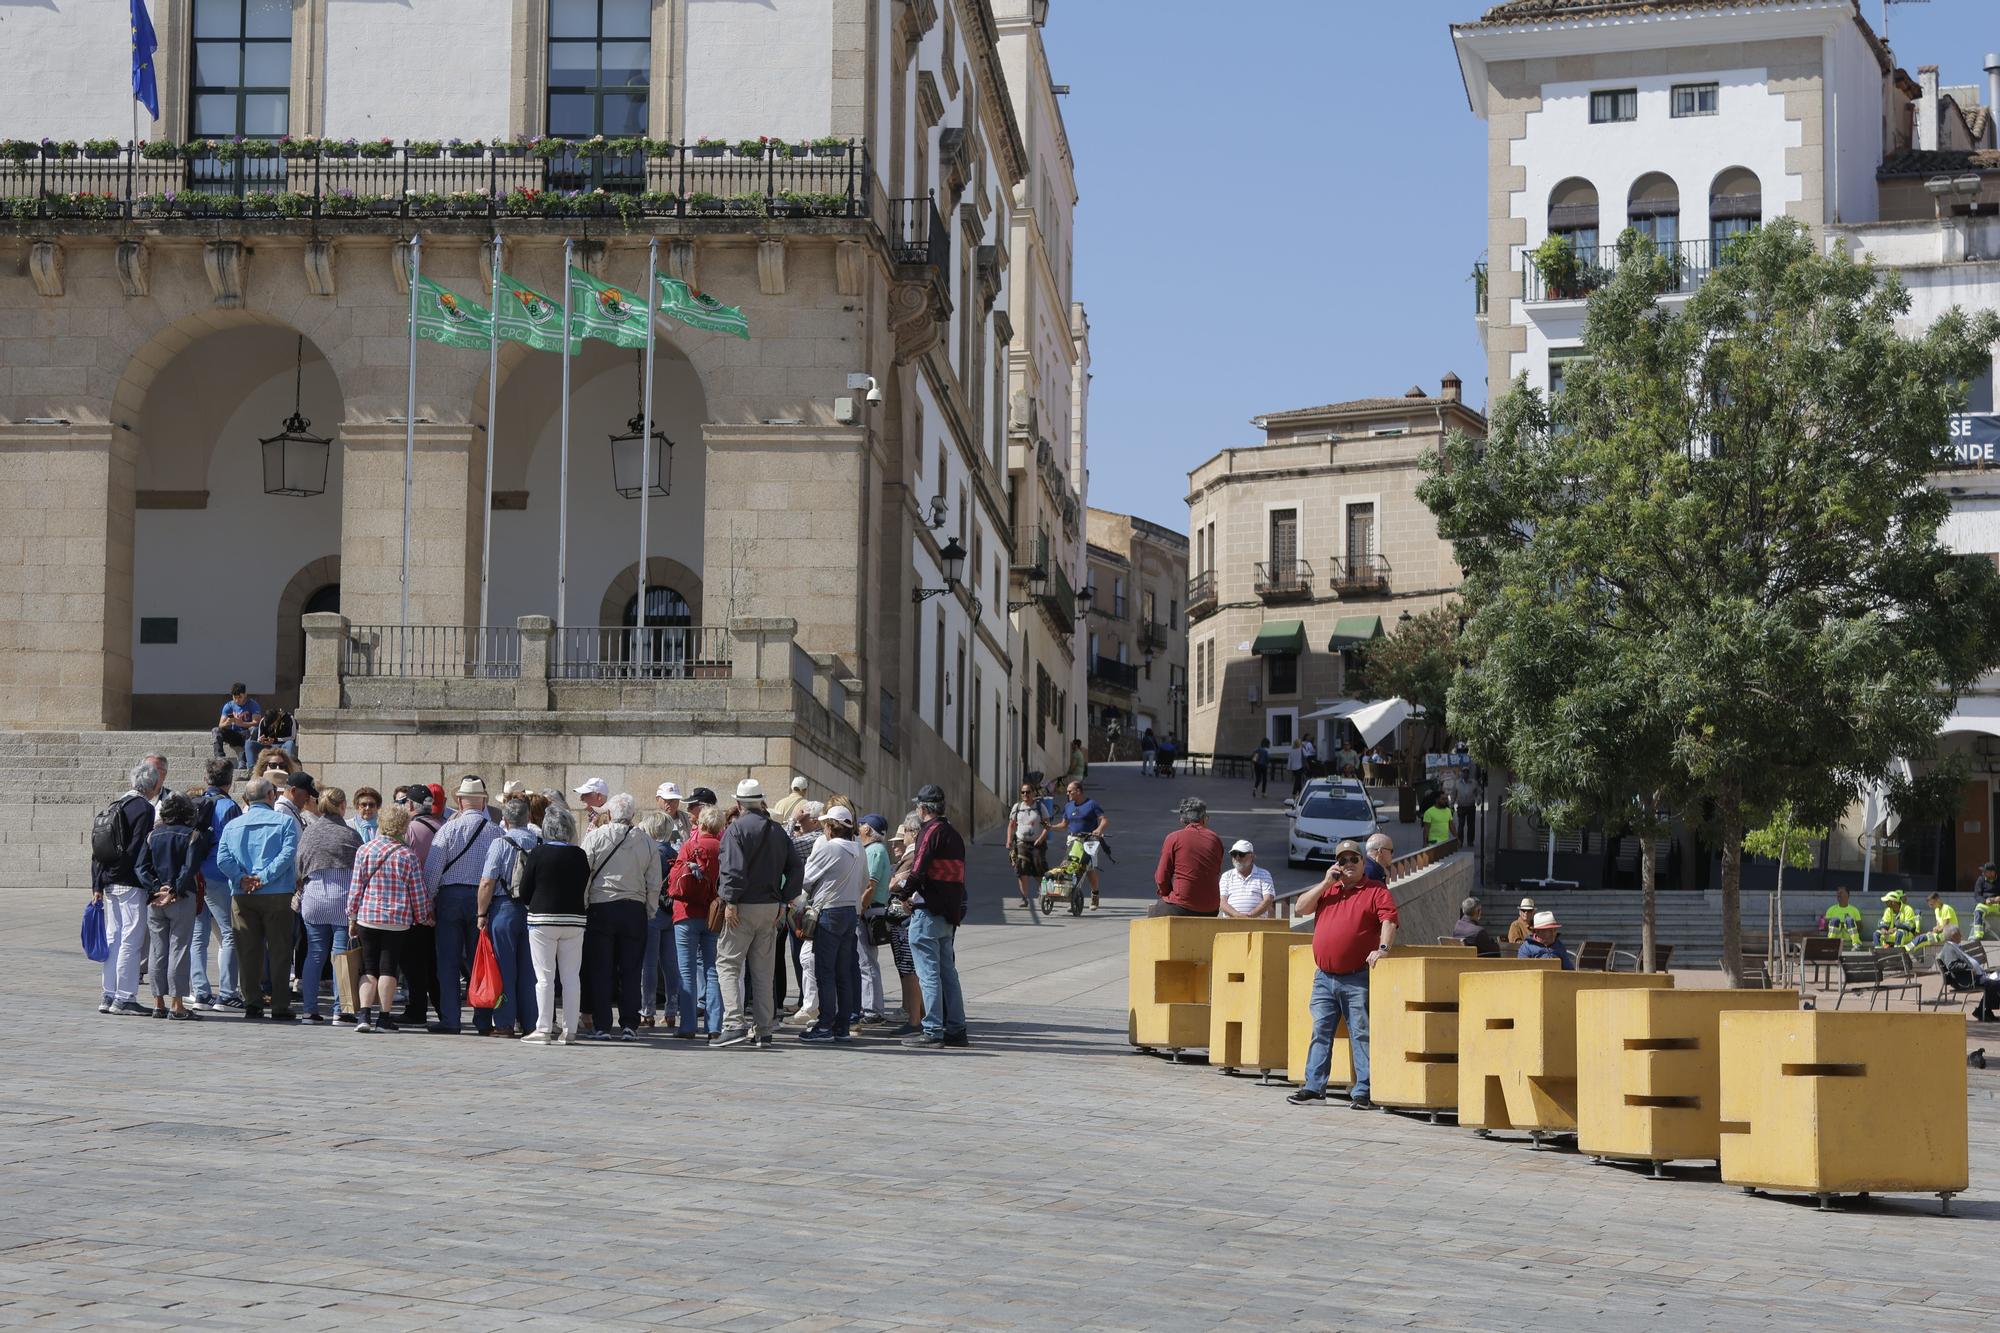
x=756 y=864
x=326 y=878
x=1354 y=927
x=387 y=899
x=503 y=916
x=1087 y=820
x=214 y=810
x=1189 y=876
x=259 y=856
x=1028 y=846
x=117 y=836
x=555 y=887
x=1260 y=768
x=625 y=884
x=453 y=866
x=691 y=888
x=937 y=900
x=1295 y=765
x=169 y=870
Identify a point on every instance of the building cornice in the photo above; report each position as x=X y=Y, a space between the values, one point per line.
x=993 y=78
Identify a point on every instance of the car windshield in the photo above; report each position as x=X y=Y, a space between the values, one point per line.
x=1350 y=808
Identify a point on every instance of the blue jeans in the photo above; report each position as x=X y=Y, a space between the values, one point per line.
x=934 y=949
x=659 y=963
x=837 y=969
x=457 y=938
x=1338 y=996
x=694 y=945
x=215 y=920
x=322 y=942
x=507 y=923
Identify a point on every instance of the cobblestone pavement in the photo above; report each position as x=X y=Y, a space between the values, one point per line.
x=242 y=1175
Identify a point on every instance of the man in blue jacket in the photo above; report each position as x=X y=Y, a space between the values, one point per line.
x=258 y=856
x=225 y=993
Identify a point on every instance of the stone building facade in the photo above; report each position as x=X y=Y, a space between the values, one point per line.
x=1304 y=548
x=1149 y=565
x=166 y=313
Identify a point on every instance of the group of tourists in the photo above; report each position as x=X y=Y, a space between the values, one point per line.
x=601 y=922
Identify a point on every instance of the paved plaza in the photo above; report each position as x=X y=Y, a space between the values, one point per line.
x=233 y=1174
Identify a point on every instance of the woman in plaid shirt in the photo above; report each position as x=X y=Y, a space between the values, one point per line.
x=387 y=898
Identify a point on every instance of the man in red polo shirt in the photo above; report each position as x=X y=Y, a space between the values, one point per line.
x=1354 y=923
x=1189 y=876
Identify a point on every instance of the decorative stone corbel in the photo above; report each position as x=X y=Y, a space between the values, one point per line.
x=850 y=259
x=917 y=315
x=223 y=261
x=771 y=267
x=399 y=265
x=319 y=266
x=45 y=267
x=680 y=262
x=133 y=268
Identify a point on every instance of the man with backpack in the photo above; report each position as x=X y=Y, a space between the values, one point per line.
x=504 y=917
x=213 y=812
x=452 y=869
x=116 y=836
x=259 y=857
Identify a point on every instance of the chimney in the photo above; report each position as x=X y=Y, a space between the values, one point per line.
x=1453 y=387
x=1927 y=109
x=1992 y=94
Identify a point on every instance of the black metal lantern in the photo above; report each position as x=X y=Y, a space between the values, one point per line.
x=628 y=458
x=295 y=458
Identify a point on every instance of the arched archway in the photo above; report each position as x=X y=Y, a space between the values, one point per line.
x=1573 y=213
x=313 y=589
x=1735 y=206
x=1653 y=209
x=661 y=572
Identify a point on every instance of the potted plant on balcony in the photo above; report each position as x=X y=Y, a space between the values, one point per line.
x=100 y=149
x=831 y=145
x=750 y=203
x=791 y=204
x=660 y=203
x=657 y=147
x=379 y=148
x=303 y=146
x=701 y=201
x=18 y=151
x=1556 y=261
x=341 y=147
x=752 y=148
x=625 y=145
x=59 y=148
x=422 y=147
x=708 y=147
x=466 y=147
x=548 y=147
x=594 y=146
x=514 y=146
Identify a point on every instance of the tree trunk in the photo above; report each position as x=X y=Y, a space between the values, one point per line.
x=1647 y=900
x=1732 y=886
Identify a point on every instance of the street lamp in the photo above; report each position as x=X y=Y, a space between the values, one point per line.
x=953 y=559
x=627 y=460
x=1083 y=603
x=295 y=458
x=1038 y=582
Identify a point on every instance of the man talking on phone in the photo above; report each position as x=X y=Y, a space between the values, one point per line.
x=1354 y=927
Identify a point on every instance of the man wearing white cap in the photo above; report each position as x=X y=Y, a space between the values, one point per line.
x=1247 y=890
x=593 y=794
x=674 y=829
x=1524 y=920
x=452 y=868
x=783 y=809
x=1545 y=941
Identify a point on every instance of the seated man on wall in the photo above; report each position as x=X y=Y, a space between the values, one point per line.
x=238 y=723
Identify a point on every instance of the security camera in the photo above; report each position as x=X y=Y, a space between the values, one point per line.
x=874 y=393
x=857 y=380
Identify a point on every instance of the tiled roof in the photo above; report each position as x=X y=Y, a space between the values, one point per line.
x=1407 y=403
x=1914 y=162
x=1542 y=11
x=1976 y=119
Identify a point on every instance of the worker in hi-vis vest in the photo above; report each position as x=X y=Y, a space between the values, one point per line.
x=1900 y=924
x=1944 y=920
x=1842 y=921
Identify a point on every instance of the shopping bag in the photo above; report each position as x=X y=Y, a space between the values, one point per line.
x=347 y=979
x=95 y=947
x=484 y=990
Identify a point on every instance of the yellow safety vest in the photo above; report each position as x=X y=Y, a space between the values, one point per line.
x=1947 y=921
x=1899 y=927
x=1985 y=920
x=1844 y=924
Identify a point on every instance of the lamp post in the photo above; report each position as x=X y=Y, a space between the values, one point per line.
x=952 y=556
x=295 y=458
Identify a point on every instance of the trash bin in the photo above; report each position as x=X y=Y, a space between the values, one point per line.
x=1406 y=804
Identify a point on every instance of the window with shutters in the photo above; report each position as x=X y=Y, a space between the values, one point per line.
x=1284 y=543
x=1360 y=536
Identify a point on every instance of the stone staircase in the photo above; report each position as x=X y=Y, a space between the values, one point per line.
x=1691 y=922
x=53 y=782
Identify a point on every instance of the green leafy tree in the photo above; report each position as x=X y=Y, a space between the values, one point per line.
x=1415 y=662
x=1709 y=572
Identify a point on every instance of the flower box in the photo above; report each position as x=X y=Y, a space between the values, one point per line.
x=713 y=150
x=468 y=150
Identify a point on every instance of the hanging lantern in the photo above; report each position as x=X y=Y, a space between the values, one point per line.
x=295 y=458
x=628 y=453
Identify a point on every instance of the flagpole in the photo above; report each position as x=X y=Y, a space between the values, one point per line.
x=646 y=444
x=492 y=407
x=410 y=430
x=562 y=500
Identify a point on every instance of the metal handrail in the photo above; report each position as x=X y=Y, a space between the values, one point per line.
x=1201 y=589
x=622 y=652
x=1594 y=266
x=1368 y=572
x=1285 y=578
x=431 y=652
x=1113 y=672
x=917 y=234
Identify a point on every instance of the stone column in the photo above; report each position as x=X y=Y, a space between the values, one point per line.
x=66 y=513
x=445 y=524
x=320 y=690
x=531 y=691
x=761 y=648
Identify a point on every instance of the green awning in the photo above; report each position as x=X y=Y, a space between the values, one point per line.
x=1276 y=638
x=1353 y=632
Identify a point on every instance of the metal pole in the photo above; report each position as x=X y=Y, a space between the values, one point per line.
x=492 y=408
x=646 y=443
x=410 y=430
x=562 y=498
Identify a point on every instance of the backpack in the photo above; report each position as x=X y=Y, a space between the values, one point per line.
x=515 y=879
x=107 y=833
x=206 y=839
x=277 y=725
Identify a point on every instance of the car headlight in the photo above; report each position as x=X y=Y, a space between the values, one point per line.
x=1304 y=836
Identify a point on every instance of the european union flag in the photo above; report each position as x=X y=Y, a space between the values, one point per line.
x=144 y=86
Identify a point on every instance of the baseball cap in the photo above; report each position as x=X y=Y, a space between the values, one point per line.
x=929 y=794
x=1242 y=848
x=876 y=822
x=702 y=796
x=668 y=792
x=594 y=787
x=303 y=781
x=840 y=814
x=798 y=784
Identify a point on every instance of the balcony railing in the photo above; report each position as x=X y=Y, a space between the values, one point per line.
x=1110 y=671
x=1059 y=600
x=620 y=652
x=327 y=179
x=1201 y=593
x=1361 y=575
x=431 y=652
x=1593 y=267
x=1031 y=549
x=1153 y=635
x=1280 y=580
x=917 y=234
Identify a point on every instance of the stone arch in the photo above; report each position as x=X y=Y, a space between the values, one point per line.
x=291 y=665
x=660 y=572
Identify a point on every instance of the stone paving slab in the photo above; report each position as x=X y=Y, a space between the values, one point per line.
x=239 y=1175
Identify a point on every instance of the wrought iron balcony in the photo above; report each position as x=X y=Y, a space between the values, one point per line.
x=1153 y=635
x=1110 y=671
x=1284 y=580
x=1201 y=593
x=625 y=179
x=917 y=235
x=1058 y=601
x=1364 y=576
x=1031 y=549
x=1584 y=271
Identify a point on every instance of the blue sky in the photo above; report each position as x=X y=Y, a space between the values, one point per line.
x=1283 y=208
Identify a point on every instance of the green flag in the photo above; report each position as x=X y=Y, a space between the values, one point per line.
x=443 y=316
x=700 y=310
x=526 y=316
x=599 y=310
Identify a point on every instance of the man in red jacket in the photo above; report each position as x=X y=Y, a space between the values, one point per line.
x=1354 y=925
x=1189 y=876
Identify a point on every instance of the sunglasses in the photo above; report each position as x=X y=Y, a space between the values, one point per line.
x=1348 y=859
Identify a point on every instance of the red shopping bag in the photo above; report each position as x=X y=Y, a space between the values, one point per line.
x=484 y=991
